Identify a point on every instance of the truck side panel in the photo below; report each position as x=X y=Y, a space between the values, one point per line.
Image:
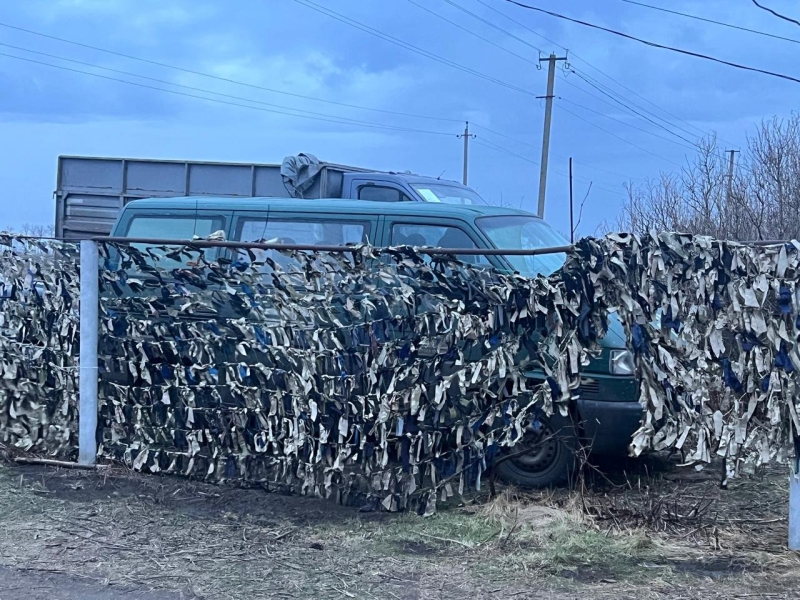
x=92 y=191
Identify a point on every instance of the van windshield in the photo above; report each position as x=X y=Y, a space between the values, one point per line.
x=447 y=194
x=528 y=233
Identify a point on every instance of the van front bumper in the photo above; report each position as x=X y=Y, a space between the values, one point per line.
x=608 y=409
x=609 y=426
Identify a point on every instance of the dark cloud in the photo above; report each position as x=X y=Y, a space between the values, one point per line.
x=285 y=45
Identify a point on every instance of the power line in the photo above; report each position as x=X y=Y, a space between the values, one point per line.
x=632 y=110
x=615 y=97
x=590 y=65
x=508 y=137
x=644 y=117
x=313 y=116
x=225 y=79
x=597 y=112
x=657 y=45
x=480 y=37
x=416 y=49
x=498 y=148
x=535 y=147
x=601 y=169
x=536 y=33
x=225 y=102
x=638 y=114
x=205 y=91
x=777 y=14
x=176 y=92
x=332 y=118
x=699 y=130
x=493 y=26
x=612 y=134
x=688 y=16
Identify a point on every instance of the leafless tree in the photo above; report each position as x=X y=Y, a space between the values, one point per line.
x=33 y=230
x=764 y=199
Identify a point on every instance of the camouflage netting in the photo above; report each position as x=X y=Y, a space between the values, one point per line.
x=372 y=372
x=714 y=326
x=38 y=344
x=386 y=374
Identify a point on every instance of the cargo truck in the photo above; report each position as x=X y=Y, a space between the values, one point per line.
x=91 y=191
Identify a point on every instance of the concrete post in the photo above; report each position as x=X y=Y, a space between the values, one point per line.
x=87 y=415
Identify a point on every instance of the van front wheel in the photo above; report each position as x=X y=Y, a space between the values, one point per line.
x=545 y=457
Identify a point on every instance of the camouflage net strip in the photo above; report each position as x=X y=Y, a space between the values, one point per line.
x=385 y=374
x=39 y=325
x=374 y=373
x=718 y=367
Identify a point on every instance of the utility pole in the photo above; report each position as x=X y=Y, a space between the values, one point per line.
x=730 y=175
x=466 y=135
x=571 y=216
x=548 y=114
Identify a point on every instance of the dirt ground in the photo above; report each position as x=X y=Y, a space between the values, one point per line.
x=639 y=530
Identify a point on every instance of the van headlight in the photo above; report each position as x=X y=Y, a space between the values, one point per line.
x=622 y=362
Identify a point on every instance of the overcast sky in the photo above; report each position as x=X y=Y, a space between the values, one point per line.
x=283 y=45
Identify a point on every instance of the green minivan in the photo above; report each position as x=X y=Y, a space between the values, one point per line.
x=608 y=411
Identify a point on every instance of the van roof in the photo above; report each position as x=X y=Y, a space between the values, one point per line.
x=326 y=205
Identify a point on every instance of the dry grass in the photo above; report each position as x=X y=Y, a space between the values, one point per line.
x=217 y=542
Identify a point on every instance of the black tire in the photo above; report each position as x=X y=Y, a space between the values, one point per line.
x=550 y=460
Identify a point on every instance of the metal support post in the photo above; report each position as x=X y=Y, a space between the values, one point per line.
x=87 y=415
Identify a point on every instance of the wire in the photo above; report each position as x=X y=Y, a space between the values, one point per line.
x=688 y=16
x=697 y=130
x=498 y=148
x=313 y=117
x=600 y=89
x=603 y=73
x=635 y=112
x=503 y=135
x=493 y=26
x=205 y=91
x=632 y=110
x=601 y=169
x=657 y=45
x=225 y=79
x=535 y=147
x=780 y=16
x=416 y=49
x=493 y=146
x=480 y=37
x=536 y=33
x=615 y=97
x=336 y=119
x=177 y=93
x=612 y=134
x=597 y=112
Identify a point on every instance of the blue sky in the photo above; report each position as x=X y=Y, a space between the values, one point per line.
x=283 y=45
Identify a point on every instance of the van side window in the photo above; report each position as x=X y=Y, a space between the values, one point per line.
x=302 y=232
x=436 y=236
x=173 y=227
x=379 y=193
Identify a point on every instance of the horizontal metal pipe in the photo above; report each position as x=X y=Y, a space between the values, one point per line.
x=261 y=246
